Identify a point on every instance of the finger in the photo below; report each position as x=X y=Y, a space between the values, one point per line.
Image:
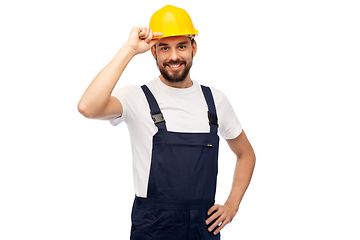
x=142 y=32
x=156 y=35
x=222 y=225
x=153 y=42
x=213 y=214
x=149 y=36
x=219 y=224
x=211 y=218
x=216 y=223
x=146 y=32
x=213 y=208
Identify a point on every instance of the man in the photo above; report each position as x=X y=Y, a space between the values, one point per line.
x=173 y=123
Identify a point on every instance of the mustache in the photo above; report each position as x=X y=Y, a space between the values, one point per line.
x=171 y=62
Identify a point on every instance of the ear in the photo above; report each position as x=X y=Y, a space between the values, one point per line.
x=153 y=51
x=194 y=48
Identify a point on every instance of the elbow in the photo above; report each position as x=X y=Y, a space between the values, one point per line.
x=85 y=110
x=253 y=155
x=249 y=157
x=254 y=159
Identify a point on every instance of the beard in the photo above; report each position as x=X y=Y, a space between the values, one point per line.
x=174 y=76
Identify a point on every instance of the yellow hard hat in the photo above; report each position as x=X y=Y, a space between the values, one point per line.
x=172 y=21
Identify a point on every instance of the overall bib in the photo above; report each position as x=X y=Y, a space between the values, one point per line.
x=182 y=181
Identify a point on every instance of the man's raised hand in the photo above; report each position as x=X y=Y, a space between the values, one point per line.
x=141 y=39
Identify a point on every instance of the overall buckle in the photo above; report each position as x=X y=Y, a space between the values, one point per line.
x=157 y=118
x=213 y=119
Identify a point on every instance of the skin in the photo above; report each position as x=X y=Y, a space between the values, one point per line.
x=172 y=50
x=97 y=103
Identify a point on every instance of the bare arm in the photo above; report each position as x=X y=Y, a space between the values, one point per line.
x=243 y=172
x=97 y=102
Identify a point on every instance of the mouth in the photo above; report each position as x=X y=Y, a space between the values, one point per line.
x=175 y=67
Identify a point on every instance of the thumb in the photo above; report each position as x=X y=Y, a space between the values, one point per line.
x=155 y=38
x=153 y=42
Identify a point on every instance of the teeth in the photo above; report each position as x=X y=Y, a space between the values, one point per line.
x=175 y=66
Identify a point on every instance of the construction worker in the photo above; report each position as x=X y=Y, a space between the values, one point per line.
x=174 y=124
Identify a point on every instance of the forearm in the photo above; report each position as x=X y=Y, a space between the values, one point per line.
x=99 y=91
x=223 y=214
x=96 y=101
x=243 y=172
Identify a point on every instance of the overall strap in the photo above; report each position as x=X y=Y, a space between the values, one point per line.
x=213 y=121
x=155 y=112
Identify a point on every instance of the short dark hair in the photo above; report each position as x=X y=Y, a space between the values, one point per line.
x=192 y=40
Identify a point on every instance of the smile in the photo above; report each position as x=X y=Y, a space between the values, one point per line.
x=175 y=66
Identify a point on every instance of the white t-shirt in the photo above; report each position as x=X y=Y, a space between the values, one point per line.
x=184 y=110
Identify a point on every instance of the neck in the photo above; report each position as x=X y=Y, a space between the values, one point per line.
x=183 y=84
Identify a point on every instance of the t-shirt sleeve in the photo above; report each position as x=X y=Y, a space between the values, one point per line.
x=126 y=96
x=229 y=125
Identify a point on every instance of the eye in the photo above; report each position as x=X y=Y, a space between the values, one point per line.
x=182 y=47
x=164 y=48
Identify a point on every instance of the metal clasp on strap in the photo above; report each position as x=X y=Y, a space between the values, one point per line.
x=157 y=118
x=213 y=119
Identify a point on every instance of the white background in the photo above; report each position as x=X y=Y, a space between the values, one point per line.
x=290 y=69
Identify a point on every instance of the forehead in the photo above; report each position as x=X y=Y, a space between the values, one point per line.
x=174 y=40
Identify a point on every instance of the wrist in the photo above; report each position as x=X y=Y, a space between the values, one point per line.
x=127 y=50
x=123 y=57
x=233 y=204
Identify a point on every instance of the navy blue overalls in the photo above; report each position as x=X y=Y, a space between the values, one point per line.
x=182 y=181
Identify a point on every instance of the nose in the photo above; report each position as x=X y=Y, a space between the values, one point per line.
x=174 y=54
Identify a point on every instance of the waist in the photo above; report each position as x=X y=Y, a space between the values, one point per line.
x=173 y=204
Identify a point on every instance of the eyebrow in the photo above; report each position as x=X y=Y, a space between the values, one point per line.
x=165 y=44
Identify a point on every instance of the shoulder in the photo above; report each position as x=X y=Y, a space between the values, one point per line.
x=219 y=97
x=229 y=125
x=128 y=90
x=132 y=99
x=131 y=92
